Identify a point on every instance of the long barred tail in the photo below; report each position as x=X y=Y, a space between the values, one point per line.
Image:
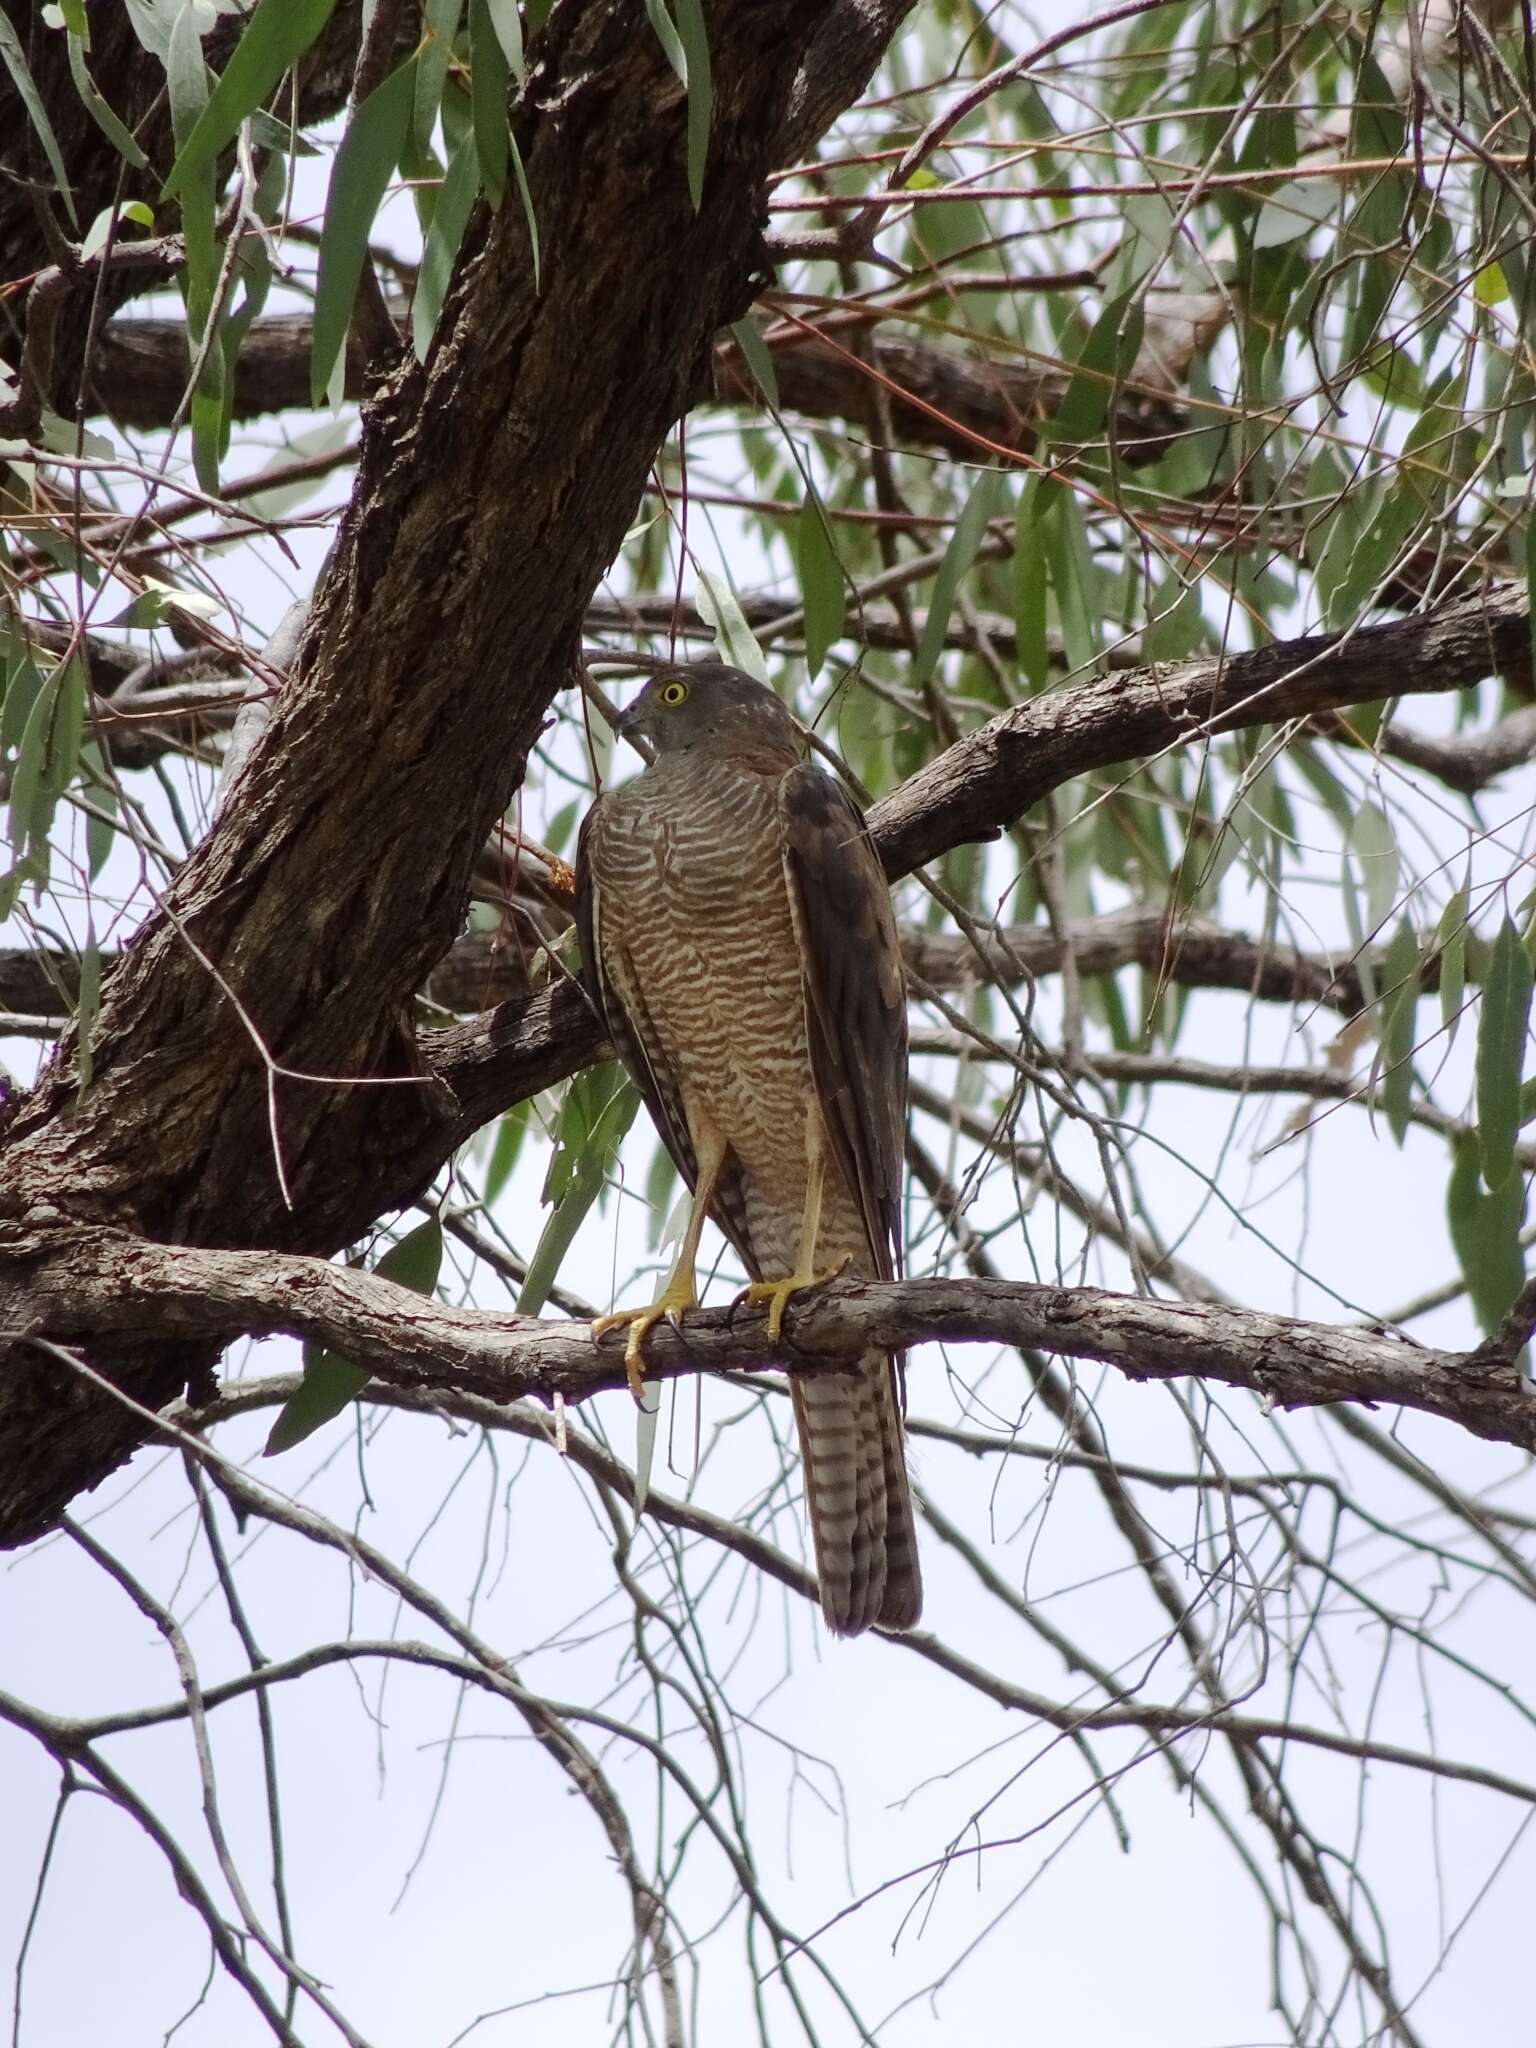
x=857 y=1498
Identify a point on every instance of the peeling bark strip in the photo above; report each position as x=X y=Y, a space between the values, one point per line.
x=113 y=1285
x=494 y=486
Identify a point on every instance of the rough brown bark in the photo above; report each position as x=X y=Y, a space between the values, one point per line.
x=114 y=1283
x=260 y=1015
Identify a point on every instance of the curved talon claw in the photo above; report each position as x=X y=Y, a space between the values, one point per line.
x=776 y=1293
x=671 y=1307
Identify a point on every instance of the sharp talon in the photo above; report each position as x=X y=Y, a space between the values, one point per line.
x=634 y=1359
x=671 y=1308
x=777 y=1293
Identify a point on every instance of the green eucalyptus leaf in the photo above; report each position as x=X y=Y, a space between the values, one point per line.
x=507 y=22
x=733 y=636
x=118 y=135
x=1400 y=995
x=276 y=36
x=510 y=1133
x=364 y=165
x=1502 y=1024
x=822 y=589
x=1451 y=938
x=987 y=501
x=1104 y=359
x=330 y=1385
x=1485 y=1231
x=527 y=203
x=488 y=95
x=1031 y=586
x=1294 y=210
x=758 y=359
x=331 y=1381
x=701 y=92
x=449 y=218
x=598 y=1109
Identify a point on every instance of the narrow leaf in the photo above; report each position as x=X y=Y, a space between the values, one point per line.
x=507 y=21
x=701 y=93
x=527 y=199
x=1451 y=936
x=1485 y=1230
x=1374 y=845
x=31 y=757
x=1400 y=994
x=1294 y=210
x=510 y=1133
x=488 y=97
x=822 y=590
x=416 y=1260
x=668 y=37
x=276 y=36
x=440 y=25
x=187 y=86
x=1073 y=578
x=49 y=752
x=733 y=638
x=1104 y=359
x=442 y=244
x=758 y=359
x=110 y=126
x=364 y=164
x=1029 y=582
x=331 y=1384
x=988 y=496
x=1501 y=1032
x=599 y=1107
x=331 y=1381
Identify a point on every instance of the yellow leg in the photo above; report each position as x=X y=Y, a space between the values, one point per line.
x=680 y=1292
x=777 y=1292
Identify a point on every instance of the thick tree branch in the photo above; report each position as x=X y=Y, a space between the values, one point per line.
x=940 y=398
x=483 y=969
x=109 y=1284
x=990 y=777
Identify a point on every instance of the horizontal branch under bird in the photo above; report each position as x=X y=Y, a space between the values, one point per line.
x=108 y=1283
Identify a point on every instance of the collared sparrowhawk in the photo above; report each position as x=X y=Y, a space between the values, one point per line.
x=738 y=941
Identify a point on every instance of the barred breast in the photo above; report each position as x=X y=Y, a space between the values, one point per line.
x=697 y=935
x=696 y=842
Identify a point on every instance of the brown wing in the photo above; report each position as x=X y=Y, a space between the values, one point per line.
x=617 y=993
x=855 y=995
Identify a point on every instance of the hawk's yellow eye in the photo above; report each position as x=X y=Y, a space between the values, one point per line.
x=674 y=692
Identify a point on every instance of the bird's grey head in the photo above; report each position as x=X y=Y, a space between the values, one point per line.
x=706 y=704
